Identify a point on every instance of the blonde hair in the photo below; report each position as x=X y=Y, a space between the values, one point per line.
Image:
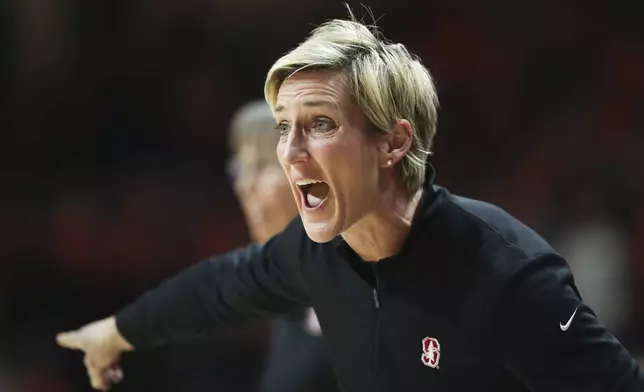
x=386 y=81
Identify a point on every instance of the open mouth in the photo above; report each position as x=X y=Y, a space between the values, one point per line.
x=314 y=192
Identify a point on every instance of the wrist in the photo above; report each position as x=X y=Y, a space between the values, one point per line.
x=117 y=338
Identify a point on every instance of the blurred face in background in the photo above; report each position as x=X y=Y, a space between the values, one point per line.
x=261 y=185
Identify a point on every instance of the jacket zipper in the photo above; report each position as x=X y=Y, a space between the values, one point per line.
x=376 y=302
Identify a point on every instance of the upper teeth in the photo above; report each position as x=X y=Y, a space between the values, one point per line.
x=306 y=182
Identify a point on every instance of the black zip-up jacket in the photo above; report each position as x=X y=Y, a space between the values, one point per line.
x=474 y=301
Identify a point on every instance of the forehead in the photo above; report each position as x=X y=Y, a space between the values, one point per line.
x=312 y=88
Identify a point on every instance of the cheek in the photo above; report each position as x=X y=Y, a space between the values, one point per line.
x=334 y=154
x=279 y=152
x=352 y=162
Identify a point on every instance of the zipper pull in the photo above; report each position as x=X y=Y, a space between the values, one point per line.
x=375 y=299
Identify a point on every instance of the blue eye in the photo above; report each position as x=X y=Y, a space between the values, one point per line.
x=323 y=125
x=283 y=129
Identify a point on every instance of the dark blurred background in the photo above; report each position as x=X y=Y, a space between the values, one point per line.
x=113 y=147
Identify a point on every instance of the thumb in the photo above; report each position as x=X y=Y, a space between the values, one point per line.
x=71 y=340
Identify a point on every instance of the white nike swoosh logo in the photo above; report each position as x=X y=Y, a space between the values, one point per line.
x=564 y=327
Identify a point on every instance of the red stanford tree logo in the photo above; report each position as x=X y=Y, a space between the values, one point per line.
x=431 y=352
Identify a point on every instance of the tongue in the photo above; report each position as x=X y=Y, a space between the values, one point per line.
x=316 y=194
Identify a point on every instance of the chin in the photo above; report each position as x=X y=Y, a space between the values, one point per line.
x=319 y=232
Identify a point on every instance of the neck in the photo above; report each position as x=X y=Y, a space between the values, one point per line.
x=382 y=232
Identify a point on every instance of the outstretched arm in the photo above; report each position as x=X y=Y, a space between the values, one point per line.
x=249 y=283
x=225 y=291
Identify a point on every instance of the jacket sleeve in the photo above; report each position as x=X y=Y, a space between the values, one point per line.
x=223 y=291
x=550 y=341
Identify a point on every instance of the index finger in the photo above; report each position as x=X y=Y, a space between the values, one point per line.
x=69 y=340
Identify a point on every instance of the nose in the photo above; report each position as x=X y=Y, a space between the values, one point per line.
x=293 y=149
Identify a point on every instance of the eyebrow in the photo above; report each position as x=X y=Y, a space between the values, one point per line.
x=316 y=103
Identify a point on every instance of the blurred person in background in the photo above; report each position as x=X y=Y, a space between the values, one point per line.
x=596 y=247
x=298 y=360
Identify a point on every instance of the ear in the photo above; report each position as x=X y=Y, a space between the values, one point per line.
x=396 y=143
